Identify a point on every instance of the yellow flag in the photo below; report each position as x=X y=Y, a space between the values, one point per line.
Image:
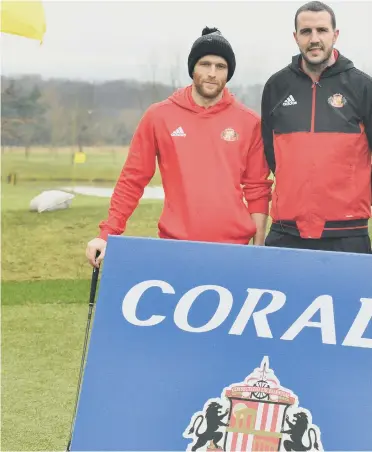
x=80 y=157
x=25 y=18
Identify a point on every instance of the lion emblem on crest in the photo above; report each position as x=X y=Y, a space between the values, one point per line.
x=213 y=418
x=296 y=432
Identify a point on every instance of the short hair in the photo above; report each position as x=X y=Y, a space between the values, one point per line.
x=316 y=7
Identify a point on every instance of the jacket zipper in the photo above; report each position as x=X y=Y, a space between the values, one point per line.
x=313 y=108
x=313 y=101
x=313 y=104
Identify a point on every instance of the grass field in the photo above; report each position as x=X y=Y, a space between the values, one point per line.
x=102 y=165
x=45 y=290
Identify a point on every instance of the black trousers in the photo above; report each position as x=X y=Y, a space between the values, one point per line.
x=357 y=244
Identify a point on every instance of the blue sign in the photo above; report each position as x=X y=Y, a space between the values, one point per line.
x=203 y=346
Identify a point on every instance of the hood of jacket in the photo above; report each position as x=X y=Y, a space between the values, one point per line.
x=183 y=98
x=341 y=64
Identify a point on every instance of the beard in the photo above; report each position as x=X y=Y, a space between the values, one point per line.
x=206 y=93
x=315 y=66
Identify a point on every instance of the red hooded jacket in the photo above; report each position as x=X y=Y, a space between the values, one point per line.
x=208 y=158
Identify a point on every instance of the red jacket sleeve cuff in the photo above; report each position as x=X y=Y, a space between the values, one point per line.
x=103 y=235
x=259 y=206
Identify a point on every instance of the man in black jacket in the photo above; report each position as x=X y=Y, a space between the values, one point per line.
x=317 y=133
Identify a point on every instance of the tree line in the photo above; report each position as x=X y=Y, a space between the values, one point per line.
x=63 y=112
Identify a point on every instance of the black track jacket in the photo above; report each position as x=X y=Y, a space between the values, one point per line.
x=318 y=141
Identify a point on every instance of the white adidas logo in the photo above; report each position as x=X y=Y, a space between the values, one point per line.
x=178 y=132
x=289 y=101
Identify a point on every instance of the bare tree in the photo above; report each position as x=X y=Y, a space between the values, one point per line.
x=174 y=71
x=153 y=66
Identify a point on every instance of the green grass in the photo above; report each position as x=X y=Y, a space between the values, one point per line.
x=102 y=164
x=41 y=352
x=52 y=245
x=45 y=291
x=58 y=291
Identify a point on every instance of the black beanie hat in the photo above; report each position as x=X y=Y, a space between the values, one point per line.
x=211 y=42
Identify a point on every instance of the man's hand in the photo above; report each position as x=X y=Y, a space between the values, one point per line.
x=93 y=246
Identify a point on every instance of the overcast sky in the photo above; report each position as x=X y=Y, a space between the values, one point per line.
x=102 y=40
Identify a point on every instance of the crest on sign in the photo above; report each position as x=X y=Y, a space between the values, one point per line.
x=255 y=415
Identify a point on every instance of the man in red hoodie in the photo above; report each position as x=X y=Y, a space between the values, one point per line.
x=210 y=155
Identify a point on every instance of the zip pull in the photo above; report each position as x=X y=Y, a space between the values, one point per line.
x=316 y=84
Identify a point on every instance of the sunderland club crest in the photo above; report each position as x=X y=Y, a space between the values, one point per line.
x=255 y=415
x=229 y=134
x=337 y=100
